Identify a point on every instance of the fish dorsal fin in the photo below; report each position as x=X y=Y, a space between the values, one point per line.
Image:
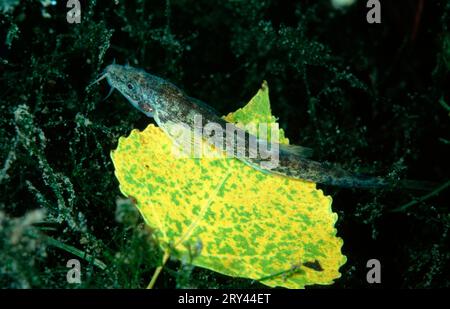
x=297 y=150
x=204 y=106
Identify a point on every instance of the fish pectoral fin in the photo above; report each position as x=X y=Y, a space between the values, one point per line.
x=297 y=150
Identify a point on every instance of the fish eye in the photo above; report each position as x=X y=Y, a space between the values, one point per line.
x=130 y=86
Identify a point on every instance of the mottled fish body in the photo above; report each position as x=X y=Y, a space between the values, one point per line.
x=169 y=106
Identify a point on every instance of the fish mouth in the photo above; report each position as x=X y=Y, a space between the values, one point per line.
x=106 y=73
x=103 y=75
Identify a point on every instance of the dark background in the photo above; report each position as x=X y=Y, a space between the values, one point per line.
x=369 y=97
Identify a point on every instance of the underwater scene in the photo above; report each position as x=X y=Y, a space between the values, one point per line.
x=234 y=144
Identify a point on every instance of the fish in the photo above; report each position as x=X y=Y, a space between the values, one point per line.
x=169 y=106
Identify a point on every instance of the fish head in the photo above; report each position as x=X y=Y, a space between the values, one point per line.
x=132 y=84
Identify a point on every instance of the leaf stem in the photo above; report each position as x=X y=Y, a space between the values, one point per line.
x=423 y=198
x=158 y=270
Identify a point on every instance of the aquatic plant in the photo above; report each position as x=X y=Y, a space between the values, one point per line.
x=369 y=97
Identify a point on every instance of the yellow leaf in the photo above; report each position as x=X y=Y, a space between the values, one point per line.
x=228 y=217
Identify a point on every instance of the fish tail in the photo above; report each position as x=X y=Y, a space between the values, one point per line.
x=370 y=182
x=329 y=174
